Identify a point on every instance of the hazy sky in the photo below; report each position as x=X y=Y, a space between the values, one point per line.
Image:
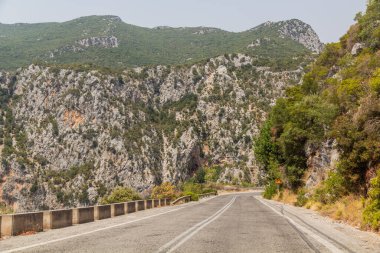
x=330 y=18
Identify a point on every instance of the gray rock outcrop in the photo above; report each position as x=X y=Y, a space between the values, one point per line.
x=77 y=134
x=302 y=33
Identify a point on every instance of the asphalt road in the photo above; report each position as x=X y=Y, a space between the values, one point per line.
x=230 y=223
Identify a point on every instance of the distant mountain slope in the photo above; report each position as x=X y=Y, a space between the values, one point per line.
x=67 y=136
x=108 y=41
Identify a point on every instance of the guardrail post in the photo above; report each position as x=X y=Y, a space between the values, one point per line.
x=6 y=225
x=47 y=222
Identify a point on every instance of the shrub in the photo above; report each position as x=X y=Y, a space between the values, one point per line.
x=332 y=189
x=199 y=176
x=301 y=198
x=4 y=209
x=270 y=190
x=192 y=187
x=371 y=214
x=120 y=194
x=212 y=174
x=375 y=81
x=165 y=190
x=194 y=196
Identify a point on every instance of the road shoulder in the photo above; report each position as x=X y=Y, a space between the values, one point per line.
x=336 y=232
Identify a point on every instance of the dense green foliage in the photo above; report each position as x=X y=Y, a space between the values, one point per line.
x=21 y=44
x=371 y=213
x=195 y=189
x=339 y=100
x=119 y=195
x=270 y=190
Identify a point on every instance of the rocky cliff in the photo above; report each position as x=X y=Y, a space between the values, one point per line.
x=296 y=30
x=72 y=134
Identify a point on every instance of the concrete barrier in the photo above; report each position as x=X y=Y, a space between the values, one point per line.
x=102 y=212
x=83 y=215
x=131 y=207
x=117 y=209
x=140 y=205
x=54 y=219
x=16 y=224
x=148 y=203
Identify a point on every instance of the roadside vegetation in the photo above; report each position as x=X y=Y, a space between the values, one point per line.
x=119 y=195
x=338 y=100
x=205 y=180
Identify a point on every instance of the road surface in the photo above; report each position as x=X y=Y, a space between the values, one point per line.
x=229 y=223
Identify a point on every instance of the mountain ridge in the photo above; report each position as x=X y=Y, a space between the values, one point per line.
x=58 y=43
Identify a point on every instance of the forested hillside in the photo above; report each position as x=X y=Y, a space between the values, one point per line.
x=107 y=41
x=334 y=116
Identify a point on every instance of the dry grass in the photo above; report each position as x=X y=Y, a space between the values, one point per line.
x=348 y=209
x=286 y=197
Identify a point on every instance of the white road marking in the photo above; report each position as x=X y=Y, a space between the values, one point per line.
x=321 y=240
x=185 y=236
x=97 y=230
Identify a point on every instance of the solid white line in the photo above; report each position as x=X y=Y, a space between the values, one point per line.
x=321 y=240
x=185 y=236
x=97 y=230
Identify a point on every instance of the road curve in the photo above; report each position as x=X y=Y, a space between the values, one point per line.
x=229 y=223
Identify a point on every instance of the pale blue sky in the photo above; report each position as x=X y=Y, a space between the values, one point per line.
x=330 y=18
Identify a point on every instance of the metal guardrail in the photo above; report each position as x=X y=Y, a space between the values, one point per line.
x=184 y=199
x=206 y=195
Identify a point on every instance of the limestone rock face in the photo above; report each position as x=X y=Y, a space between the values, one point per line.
x=302 y=33
x=78 y=133
x=105 y=42
x=357 y=48
x=320 y=161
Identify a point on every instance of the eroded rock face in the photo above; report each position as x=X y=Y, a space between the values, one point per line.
x=85 y=132
x=357 y=48
x=302 y=33
x=320 y=161
x=104 y=42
